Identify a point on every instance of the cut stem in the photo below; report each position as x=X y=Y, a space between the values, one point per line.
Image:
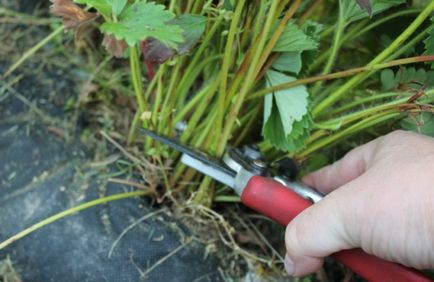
x=71 y=211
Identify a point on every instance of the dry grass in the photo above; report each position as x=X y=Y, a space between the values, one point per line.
x=8 y=272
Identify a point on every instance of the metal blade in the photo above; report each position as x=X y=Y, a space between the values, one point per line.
x=196 y=159
x=211 y=171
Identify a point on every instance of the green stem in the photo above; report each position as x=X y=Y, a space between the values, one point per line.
x=378 y=108
x=380 y=21
x=341 y=74
x=260 y=17
x=333 y=53
x=335 y=47
x=199 y=139
x=344 y=120
x=228 y=50
x=227 y=199
x=205 y=130
x=182 y=90
x=251 y=123
x=327 y=102
x=196 y=99
x=362 y=101
x=249 y=80
x=155 y=116
x=151 y=85
x=228 y=60
x=202 y=107
x=136 y=78
x=277 y=33
x=71 y=211
x=204 y=193
x=357 y=31
x=29 y=53
x=133 y=128
x=418 y=38
x=165 y=123
x=188 y=77
x=365 y=123
x=366 y=118
x=172 y=6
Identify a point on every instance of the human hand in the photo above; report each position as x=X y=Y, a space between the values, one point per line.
x=380 y=198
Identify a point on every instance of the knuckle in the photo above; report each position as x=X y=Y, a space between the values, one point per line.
x=295 y=232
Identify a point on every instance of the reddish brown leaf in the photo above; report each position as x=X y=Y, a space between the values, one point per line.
x=115 y=47
x=73 y=15
x=156 y=52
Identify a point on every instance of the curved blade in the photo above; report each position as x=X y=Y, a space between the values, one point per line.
x=198 y=160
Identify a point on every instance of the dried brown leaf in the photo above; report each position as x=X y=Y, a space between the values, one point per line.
x=115 y=47
x=73 y=15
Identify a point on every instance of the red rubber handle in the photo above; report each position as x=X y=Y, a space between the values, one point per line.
x=281 y=204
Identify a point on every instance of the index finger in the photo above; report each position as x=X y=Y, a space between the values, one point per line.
x=351 y=166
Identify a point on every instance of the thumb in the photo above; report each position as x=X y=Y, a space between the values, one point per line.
x=316 y=233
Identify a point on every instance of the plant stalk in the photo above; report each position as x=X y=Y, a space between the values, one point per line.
x=32 y=51
x=411 y=60
x=136 y=78
x=327 y=102
x=71 y=211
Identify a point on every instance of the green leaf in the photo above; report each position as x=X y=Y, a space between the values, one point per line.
x=118 y=6
x=144 y=20
x=286 y=118
x=193 y=27
x=312 y=29
x=104 y=7
x=406 y=79
x=228 y=5
x=314 y=162
x=288 y=62
x=350 y=11
x=429 y=41
x=387 y=78
x=303 y=40
x=293 y=39
x=422 y=123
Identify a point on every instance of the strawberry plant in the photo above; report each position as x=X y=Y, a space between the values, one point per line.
x=300 y=79
x=225 y=69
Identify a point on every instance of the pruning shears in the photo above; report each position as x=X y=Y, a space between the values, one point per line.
x=276 y=196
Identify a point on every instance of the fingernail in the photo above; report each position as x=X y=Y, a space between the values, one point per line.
x=289 y=265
